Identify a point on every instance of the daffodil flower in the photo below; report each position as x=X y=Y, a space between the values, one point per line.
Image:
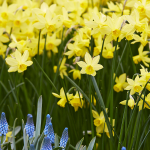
x=62 y=97
x=18 y=63
x=90 y=66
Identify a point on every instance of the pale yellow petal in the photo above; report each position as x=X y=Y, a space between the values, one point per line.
x=97 y=67
x=122 y=78
x=82 y=64
x=18 y=55
x=88 y=58
x=95 y=60
x=56 y=95
x=11 y=61
x=25 y=56
x=13 y=69
x=28 y=63
x=95 y=114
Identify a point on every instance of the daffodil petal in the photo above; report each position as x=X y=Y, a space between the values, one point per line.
x=25 y=56
x=11 y=61
x=88 y=58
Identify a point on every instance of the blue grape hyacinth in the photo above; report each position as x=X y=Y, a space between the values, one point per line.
x=48 y=121
x=50 y=133
x=3 y=125
x=30 y=126
x=64 y=138
x=123 y=148
x=46 y=144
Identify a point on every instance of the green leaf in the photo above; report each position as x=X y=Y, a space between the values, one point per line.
x=38 y=119
x=13 y=134
x=56 y=140
x=58 y=148
x=25 y=139
x=84 y=148
x=102 y=105
x=32 y=86
x=46 y=76
x=39 y=142
x=78 y=146
x=91 y=145
x=68 y=144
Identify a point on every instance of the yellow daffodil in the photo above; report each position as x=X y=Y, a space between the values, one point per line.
x=131 y=102
x=142 y=56
x=120 y=83
x=99 y=121
x=76 y=101
x=90 y=66
x=74 y=49
x=62 y=68
x=76 y=74
x=18 y=63
x=106 y=128
x=62 y=97
x=146 y=104
x=134 y=85
x=52 y=43
x=8 y=135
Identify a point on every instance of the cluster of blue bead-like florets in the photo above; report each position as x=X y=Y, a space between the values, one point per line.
x=48 y=132
x=3 y=125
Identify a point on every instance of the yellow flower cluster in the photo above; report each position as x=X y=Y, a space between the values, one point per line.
x=101 y=125
x=76 y=101
x=21 y=22
x=136 y=86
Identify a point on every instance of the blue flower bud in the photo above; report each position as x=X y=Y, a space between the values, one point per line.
x=64 y=138
x=50 y=133
x=30 y=126
x=48 y=121
x=123 y=148
x=46 y=144
x=3 y=125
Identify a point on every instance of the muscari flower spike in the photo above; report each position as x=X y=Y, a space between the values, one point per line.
x=30 y=126
x=3 y=125
x=50 y=133
x=46 y=144
x=48 y=121
x=64 y=138
x=123 y=148
x=32 y=147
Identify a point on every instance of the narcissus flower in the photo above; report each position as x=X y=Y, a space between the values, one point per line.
x=146 y=103
x=134 y=86
x=77 y=101
x=99 y=121
x=18 y=63
x=90 y=66
x=62 y=97
x=131 y=102
x=76 y=74
x=120 y=83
